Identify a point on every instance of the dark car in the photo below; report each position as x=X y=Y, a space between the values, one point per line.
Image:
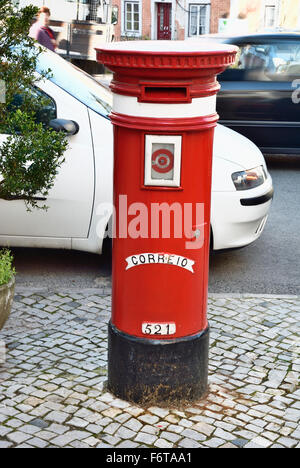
x=260 y=94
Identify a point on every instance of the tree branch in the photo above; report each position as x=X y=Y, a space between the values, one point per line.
x=20 y=197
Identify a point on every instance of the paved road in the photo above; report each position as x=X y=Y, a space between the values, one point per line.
x=53 y=391
x=270 y=265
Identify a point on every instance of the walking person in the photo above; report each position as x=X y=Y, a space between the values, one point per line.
x=41 y=31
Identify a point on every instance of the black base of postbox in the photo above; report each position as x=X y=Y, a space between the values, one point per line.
x=151 y=372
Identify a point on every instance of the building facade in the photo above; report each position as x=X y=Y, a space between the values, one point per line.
x=167 y=19
x=181 y=19
x=267 y=15
x=69 y=10
x=79 y=26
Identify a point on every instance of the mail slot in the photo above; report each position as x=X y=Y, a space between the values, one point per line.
x=168 y=93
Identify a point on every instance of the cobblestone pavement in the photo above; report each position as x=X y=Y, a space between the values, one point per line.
x=52 y=386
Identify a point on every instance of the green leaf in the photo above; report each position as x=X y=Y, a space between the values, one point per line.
x=7 y=271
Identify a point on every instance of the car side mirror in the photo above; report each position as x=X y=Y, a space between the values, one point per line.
x=67 y=126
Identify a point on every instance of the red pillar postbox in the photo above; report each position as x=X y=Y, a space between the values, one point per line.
x=164 y=114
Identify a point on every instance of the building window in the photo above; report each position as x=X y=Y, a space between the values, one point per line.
x=132 y=17
x=270 y=16
x=198 y=19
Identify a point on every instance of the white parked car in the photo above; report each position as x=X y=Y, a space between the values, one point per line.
x=241 y=194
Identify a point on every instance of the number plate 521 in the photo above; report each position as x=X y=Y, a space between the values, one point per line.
x=158 y=328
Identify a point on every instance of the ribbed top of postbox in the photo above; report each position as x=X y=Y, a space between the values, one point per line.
x=166 y=54
x=166 y=71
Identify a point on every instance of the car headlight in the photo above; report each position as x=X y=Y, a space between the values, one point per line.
x=252 y=178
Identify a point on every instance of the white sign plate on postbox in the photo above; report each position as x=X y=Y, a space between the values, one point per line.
x=163 y=160
x=150 y=328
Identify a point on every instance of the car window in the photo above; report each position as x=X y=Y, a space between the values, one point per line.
x=45 y=106
x=276 y=61
x=76 y=82
x=41 y=103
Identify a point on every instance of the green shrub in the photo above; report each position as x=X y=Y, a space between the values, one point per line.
x=7 y=270
x=32 y=154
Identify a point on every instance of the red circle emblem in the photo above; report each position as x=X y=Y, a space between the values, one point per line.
x=162 y=161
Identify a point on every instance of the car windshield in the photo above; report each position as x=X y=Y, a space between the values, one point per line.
x=76 y=82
